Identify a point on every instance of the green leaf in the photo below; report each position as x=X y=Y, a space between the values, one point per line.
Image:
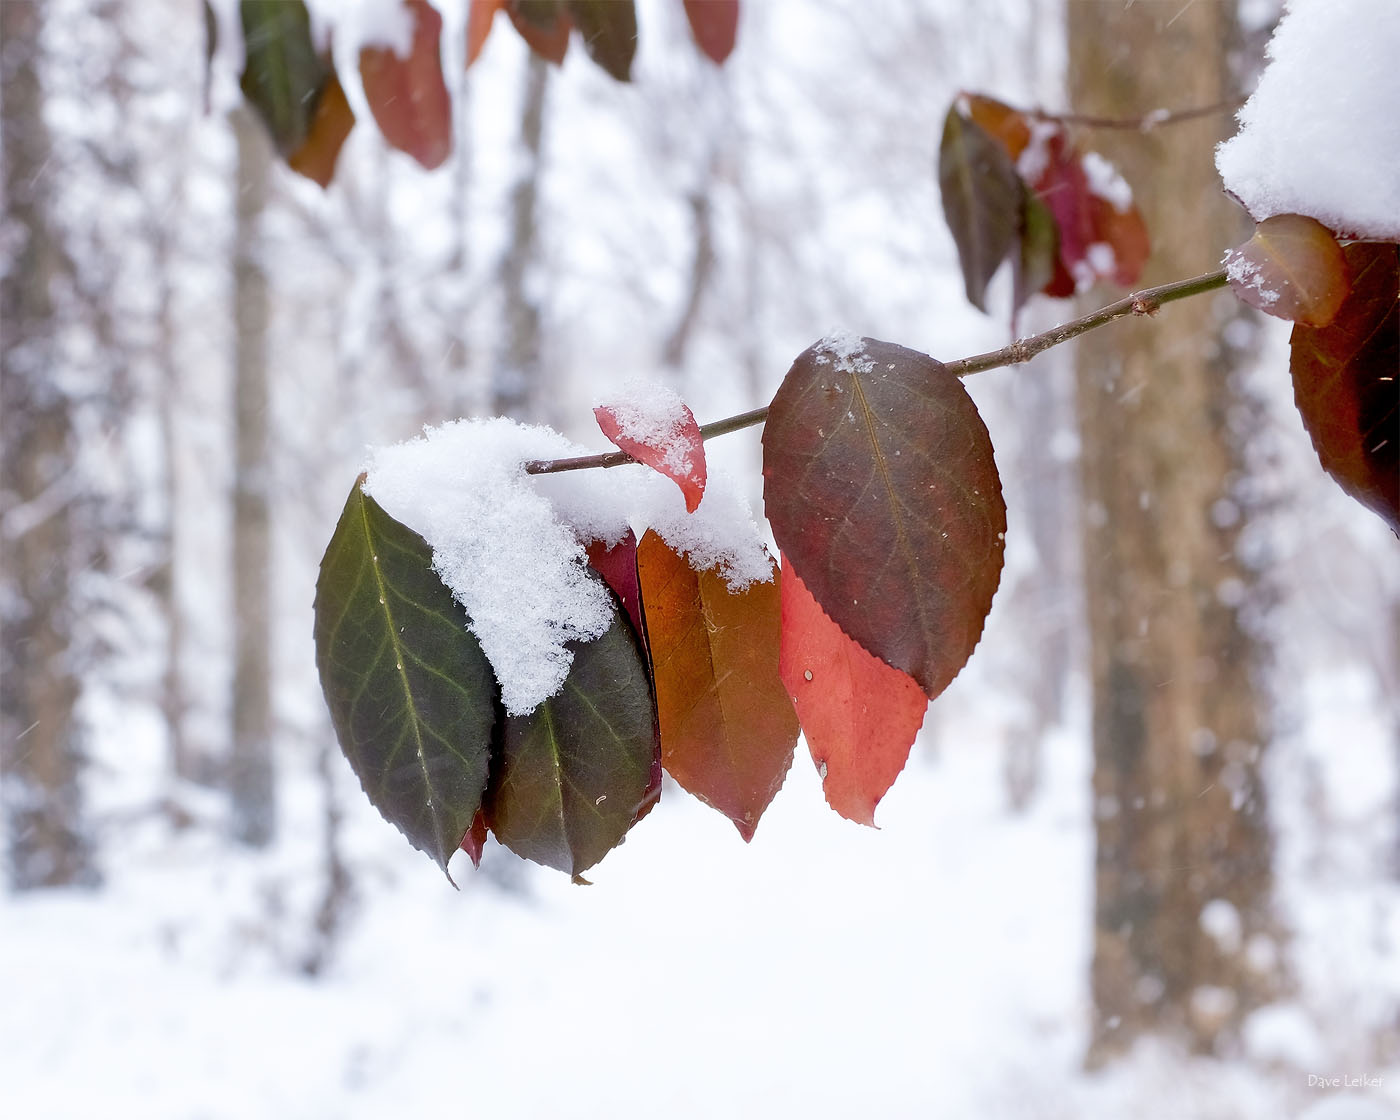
x=1345 y=382
x=881 y=489
x=283 y=76
x=411 y=694
x=575 y=774
x=1039 y=249
x=609 y=31
x=982 y=197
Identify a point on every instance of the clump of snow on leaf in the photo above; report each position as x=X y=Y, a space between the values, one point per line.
x=654 y=415
x=721 y=534
x=1321 y=134
x=510 y=545
x=497 y=544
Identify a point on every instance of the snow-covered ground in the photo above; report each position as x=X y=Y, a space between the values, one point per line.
x=934 y=968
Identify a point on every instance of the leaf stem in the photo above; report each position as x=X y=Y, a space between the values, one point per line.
x=1148 y=301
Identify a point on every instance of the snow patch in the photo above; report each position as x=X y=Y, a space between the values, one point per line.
x=1106 y=183
x=497 y=544
x=1321 y=134
x=375 y=23
x=845 y=352
x=1244 y=273
x=509 y=545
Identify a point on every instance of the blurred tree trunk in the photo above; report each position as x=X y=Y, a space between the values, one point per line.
x=515 y=387
x=41 y=750
x=1183 y=930
x=250 y=765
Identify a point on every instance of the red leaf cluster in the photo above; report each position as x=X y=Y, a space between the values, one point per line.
x=1015 y=183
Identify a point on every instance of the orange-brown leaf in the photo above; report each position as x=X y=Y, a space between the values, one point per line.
x=1292 y=268
x=479 y=20
x=1125 y=233
x=1345 y=382
x=330 y=126
x=1010 y=127
x=408 y=96
x=727 y=724
x=859 y=715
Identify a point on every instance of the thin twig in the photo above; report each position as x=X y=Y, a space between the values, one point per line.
x=1145 y=123
x=1146 y=302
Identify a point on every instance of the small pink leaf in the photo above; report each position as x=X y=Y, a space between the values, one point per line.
x=656 y=428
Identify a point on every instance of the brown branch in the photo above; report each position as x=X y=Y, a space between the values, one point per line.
x=1146 y=302
x=1145 y=123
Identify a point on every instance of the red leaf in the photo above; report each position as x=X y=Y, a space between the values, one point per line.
x=727 y=725
x=859 y=715
x=1345 y=382
x=474 y=842
x=544 y=25
x=715 y=24
x=880 y=487
x=663 y=435
x=618 y=567
x=479 y=20
x=330 y=125
x=1291 y=268
x=408 y=96
x=1063 y=186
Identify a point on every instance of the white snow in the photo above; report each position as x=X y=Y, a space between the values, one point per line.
x=654 y=415
x=1106 y=182
x=508 y=544
x=720 y=534
x=1321 y=134
x=373 y=23
x=845 y=351
x=1101 y=258
x=497 y=543
x=1035 y=157
x=1243 y=272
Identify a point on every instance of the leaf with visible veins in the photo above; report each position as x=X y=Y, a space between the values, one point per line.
x=727 y=724
x=410 y=693
x=1345 y=382
x=881 y=489
x=575 y=774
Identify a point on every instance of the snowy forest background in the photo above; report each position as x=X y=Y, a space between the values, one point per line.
x=232 y=930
